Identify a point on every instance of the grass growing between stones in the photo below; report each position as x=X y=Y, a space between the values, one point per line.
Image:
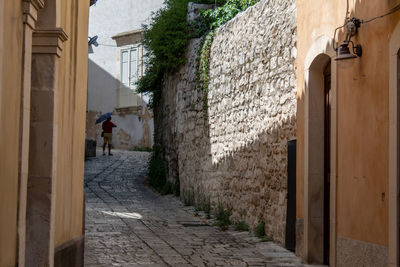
x=198 y=199
x=167 y=189
x=177 y=187
x=204 y=204
x=142 y=149
x=266 y=239
x=241 y=226
x=157 y=174
x=222 y=216
x=259 y=232
x=188 y=197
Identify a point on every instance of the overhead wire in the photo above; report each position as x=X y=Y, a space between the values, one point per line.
x=346 y=20
x=108 y=45
x=393 y=10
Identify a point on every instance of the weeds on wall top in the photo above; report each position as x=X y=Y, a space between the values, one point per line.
x=167 y=35
x=166 y=39
x=210 y=21
x=215 y=18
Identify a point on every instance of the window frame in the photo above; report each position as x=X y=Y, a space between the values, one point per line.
x=129 y=50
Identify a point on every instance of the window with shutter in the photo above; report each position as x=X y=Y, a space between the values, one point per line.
x=125 y=68
x=133 y=68
x=130 y=67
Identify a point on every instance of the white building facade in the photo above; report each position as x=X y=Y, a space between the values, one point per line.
x=115 y=65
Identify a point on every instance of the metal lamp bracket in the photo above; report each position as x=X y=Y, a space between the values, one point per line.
x=357 y=50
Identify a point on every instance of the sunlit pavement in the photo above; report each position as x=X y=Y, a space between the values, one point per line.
x=127 y=224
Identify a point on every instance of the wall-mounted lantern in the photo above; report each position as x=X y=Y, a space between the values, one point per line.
x=343 y=51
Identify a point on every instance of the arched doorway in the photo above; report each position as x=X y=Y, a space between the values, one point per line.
x=320 y=133
x=327 y=159
x=318 y=185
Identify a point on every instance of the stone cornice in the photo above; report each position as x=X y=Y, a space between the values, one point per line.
x=56 y=32
x=122 y=111
x=31 y=8
x=38 y=4
x=129 y=38
x=48 y=41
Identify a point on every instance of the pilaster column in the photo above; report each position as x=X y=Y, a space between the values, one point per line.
x=30 y=9
x=46 y=49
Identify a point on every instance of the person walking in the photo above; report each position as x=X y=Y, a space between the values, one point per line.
x=107 y=132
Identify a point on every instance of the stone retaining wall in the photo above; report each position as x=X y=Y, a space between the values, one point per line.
x=237 y=155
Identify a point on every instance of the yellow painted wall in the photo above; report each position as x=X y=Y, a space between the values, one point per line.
x=363 y=114
x=71 y=122
x=11 y=31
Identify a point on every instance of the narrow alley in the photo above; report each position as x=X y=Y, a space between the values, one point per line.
x=127 y=224
x=277 y=122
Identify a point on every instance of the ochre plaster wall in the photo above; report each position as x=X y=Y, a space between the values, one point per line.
x=71 y=104
x=71 y=122
x=11 y=31
x=310 y=28
x=362 y=123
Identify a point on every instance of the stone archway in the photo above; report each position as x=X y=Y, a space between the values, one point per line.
x=394 y=150
x=320 y=162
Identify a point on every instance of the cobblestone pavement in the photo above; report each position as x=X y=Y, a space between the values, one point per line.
x=129 y=225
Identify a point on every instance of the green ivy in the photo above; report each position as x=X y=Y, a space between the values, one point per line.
x=215 y=18
x=211 y=20
x=203 y=69
x=166 y=38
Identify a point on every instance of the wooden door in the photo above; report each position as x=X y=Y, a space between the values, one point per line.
x=327 y=161
x=290 y=236
x=398 y=155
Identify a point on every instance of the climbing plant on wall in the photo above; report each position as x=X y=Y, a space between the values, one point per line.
x=210 y=21
x=215 y=18
x=166 y=39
